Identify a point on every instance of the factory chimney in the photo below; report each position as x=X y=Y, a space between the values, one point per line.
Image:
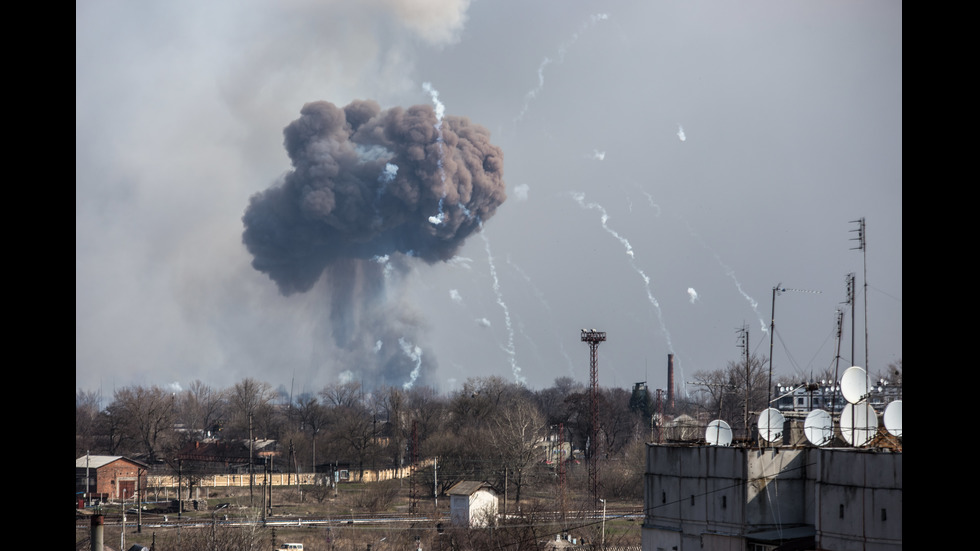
x=670 y=382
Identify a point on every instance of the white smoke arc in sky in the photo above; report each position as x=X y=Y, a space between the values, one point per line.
x=440 y=112
x=415 y=354
x=579 y=198
x=693 y=294
x=680 y=133
x=731 y=273
x=540 y=296
x=518 y=378
x=562 y=50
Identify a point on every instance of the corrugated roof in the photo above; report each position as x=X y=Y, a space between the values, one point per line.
x=95 y=461
x=468 y=488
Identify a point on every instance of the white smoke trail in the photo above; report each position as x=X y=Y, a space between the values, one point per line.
x=540 y=296
x=440 y=112
x=562 y=50
x=580 y=199
x=693 y=294
x=518 y=378
x=731 y=273
x=680 y=133
x=414 y=353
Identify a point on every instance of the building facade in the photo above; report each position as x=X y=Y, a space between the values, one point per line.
x=108 y=477
x=472 y=504
x=726 y=499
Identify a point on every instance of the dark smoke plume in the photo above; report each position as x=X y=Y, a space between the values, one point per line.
x=369 y=190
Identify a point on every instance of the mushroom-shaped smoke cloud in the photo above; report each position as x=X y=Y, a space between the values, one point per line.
x=364 y=187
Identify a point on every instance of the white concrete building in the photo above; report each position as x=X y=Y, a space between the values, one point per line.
x=711 y=498
x=472 y=504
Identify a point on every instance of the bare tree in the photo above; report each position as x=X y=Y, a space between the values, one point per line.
x=149 y=415
x=518 y=429
x=86 y=417
x=202 y=407
x=313 y=417
x=248 y=399
x=342 y=394
x=734 y=393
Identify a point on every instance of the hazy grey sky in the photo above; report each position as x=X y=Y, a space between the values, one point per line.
x=666 y=165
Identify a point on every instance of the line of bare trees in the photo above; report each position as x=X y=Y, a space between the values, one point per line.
x=489 y=429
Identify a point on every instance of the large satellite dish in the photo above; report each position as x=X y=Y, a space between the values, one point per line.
x=818 y=427
x=893 y=418
x=771 y=425
x=718 y=433
x=854 y=384
x=858 y=424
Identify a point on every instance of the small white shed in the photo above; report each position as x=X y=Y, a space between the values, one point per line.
x=472 y=504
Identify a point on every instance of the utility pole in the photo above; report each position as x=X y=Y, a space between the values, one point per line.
x=251 y=467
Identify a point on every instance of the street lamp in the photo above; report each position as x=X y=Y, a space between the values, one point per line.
x=603 y=545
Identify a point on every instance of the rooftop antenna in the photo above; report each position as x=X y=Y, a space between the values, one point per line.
x=743 y=342
x=818 y=427
x=778 y=289
x=862 y=246
x=594 y=337
x=858 y=421
x=893 y=417
x=718 y=433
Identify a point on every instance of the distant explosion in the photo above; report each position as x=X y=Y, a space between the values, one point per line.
x=369 y=191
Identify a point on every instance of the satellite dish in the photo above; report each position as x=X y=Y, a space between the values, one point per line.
x=893 y=418
x=854 y=384
x=858 y=424
x=818 y=427
x=718 y=433
x=771 y=425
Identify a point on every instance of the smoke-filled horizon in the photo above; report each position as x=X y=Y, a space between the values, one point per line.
x=294 y=191
x=371 y=190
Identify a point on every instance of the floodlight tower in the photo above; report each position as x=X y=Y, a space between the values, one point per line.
x=594 y=337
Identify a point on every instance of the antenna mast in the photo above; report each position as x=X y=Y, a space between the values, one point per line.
x=743 y=342
x=772 y=329
x=862 y=246
x=594 y=337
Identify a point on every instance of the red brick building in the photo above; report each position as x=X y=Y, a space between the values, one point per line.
x=110 y=477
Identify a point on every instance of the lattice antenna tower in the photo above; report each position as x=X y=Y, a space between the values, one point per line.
x=594 y=337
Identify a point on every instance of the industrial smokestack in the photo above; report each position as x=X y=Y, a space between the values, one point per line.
x=670 y=382
x=97 y=525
